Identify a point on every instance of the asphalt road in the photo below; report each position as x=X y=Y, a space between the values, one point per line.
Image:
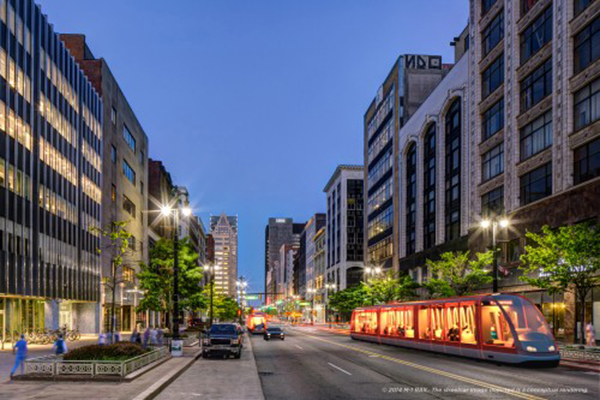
x=313 y=364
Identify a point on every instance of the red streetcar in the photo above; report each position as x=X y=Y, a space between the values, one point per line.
x=500 y=327
x=256 y=322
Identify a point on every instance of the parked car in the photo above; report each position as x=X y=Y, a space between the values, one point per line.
x=223 y=339
x=274 y=332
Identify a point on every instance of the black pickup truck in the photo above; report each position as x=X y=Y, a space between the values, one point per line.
x=223 y=339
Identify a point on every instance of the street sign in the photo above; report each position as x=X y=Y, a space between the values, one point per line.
x=252 y=297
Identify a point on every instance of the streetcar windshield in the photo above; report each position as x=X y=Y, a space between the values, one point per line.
x=528 y=322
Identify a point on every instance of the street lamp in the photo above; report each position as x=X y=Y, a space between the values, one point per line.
x=327 y=287
x=312 y=308
x=494 y=223
x=212 y=270
x=167 y=211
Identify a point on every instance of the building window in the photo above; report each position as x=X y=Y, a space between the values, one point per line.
x=128 y=273
x=113 y=154
x=429 y=187
x=128 y=206
x=492 y=77
x=411 y=199
x=129 y=139
x=536 y=85
x=128 y=171
x=581 y=5
x=587 y=45
x=381 y=222
x=486 y=5
x=142 y=157
x=536 y=136
x=452 y=179
x=382 y=166
x=492 y=203
x=113 y=193
x=587 y=105
x=492 y=162
x=587 y=161
x=527 y=5
x=537 y=184
x=113 y=116
x=493 y=33
x=131 y=243
x=381 y=250
x=493 y=119
x=536 y=35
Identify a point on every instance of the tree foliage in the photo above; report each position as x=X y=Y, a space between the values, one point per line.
x=224 y=307
x=345 y=301
x=390 y=287
x=156 y=279
x=565 y=259
x=456 y=274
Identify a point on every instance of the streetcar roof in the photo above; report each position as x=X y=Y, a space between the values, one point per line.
x=433 y=301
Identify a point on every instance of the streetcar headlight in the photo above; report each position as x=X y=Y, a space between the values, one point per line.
x=551 y=348
x=531 y=349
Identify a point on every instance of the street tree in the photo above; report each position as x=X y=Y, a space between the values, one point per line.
x=345 y=301
x=117 y=247
x=561 y=260
x=390 y=287
x=456 y=274
x=156 y=280
x=225 y=308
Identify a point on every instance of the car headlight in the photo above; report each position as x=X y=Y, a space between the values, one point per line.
x=206 y=341
x=531 y=349
x=235 y=341
x=551 y=348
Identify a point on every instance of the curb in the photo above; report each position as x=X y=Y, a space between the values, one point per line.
x=161 y=384
x=579 y=367
x=256 y=366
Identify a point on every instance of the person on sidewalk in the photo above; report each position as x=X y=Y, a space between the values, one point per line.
x=117 y=337
x=21 y=347
x=102 y=339
x=590 y=335
x=60 y=346
x=134 y=334
x=146 y=336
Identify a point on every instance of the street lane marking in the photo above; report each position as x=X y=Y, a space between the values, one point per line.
x=461 y=378
x=338 y=368
x=299 y=347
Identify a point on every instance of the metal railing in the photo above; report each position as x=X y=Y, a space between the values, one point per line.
x=53 y=365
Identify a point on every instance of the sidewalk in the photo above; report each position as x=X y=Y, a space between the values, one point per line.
x=218 y=379
x=144 y=387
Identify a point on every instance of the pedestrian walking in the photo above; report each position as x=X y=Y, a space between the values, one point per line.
x=146 y=336
x=590 y=335
x=153 y=336
x=117 y=337
x=60 y=346
x=21 y=351
x=134 y=334
x=102 y=339
x=160 y=336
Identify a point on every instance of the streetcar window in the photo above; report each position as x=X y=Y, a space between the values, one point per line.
x=452 y=323
x=365 y=322
x=437 y=323
x=495 y=327
x=529 y=323
x=408 y=323
x=424 y=326
x=467 y=324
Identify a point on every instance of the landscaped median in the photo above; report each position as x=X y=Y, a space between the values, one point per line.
x=120 y=361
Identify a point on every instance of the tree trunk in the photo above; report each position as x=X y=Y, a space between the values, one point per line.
x=582 y=296
x=112 y=308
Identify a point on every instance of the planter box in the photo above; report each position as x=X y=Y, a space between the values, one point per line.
x=52 y=366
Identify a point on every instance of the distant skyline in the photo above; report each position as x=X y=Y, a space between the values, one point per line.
x=252 y=105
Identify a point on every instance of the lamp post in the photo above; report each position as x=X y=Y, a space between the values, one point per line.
x=327 y=287
x=212 y=270
x=373 y=271
x=312 y=291
x=494 y=223
x=167 y=211
x=241 y=284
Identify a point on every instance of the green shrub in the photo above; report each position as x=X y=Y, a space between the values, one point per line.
x=117 y=351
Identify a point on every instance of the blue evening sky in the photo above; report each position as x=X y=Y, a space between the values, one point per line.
x=252 y=104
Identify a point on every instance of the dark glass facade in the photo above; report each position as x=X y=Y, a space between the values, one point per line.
x=50 y=163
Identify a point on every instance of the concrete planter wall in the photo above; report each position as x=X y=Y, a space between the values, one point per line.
x=52 y=366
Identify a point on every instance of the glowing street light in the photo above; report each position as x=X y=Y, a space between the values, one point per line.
x=494 y=223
